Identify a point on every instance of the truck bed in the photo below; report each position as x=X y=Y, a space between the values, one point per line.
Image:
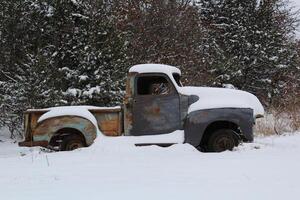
x=109 y=120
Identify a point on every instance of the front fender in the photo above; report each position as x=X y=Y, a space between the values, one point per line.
x=198 y=121
x=47 y=128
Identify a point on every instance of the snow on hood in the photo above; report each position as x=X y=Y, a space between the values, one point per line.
x=210 y=97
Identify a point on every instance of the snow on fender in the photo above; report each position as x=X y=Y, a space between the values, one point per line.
x=68 y=110
x=79 y=111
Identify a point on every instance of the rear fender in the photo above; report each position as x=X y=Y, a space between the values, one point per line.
x=49 y=127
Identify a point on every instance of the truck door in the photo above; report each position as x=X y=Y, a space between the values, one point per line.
x=155 y=106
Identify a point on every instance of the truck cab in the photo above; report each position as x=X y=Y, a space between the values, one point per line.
x=156 y=103
x=152 y=102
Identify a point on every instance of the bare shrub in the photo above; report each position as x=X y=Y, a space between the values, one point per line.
x=279 y=121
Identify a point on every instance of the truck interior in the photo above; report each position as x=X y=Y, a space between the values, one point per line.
x=153 y=85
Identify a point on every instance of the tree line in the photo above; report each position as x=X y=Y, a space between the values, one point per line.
x=74 y=52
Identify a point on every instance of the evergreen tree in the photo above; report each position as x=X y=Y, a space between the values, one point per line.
x=70 y=52
x=249 y=43
x=52 y=48
x=98 y=64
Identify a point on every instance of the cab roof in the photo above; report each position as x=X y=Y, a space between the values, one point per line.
x=155 y=68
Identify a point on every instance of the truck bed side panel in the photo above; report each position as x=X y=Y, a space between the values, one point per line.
x=110 y=122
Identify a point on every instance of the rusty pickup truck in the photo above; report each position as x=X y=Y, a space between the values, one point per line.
x=155 y=103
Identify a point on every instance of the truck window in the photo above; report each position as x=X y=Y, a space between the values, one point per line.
x=177 y=79
x=153 y=85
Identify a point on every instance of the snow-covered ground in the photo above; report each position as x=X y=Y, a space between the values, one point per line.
x=269 y=168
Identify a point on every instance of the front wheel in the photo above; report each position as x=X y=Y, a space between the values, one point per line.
x=222 y=140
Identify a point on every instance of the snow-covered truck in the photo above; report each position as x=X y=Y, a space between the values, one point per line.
x=155 y=104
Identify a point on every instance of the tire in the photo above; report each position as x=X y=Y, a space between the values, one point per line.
x=72 y=142
x=222 y=140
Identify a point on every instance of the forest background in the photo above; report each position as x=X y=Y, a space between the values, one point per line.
x=77 y=52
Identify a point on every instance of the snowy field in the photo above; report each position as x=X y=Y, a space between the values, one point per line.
x=269 y=168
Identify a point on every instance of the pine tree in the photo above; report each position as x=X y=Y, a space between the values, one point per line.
x=51 y=49
x=249 y=43
x=90 y=53
x=25 y=66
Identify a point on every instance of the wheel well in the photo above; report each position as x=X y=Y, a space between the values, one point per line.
x=60 y=134
x=216 y=126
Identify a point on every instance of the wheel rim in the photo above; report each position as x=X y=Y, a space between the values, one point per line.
x=74 y=145
x=223 y=143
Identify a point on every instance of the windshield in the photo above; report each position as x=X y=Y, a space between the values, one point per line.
x=177 y=79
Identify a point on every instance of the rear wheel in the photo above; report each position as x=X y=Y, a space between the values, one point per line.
x=72 y=142
x=222 y=140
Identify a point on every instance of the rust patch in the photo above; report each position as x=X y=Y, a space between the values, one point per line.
x=47 y=128
x=110 y=127
x=156 y=110
x=106 y=110
x=128 y=120
x=89 y=128
x=34 y=119
x=129 y=117
x=130 y=84
x=128 y=103
x=54 y=124
x=109 y=123
x=33 y=144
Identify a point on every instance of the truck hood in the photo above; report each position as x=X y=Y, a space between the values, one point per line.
x=210 y=98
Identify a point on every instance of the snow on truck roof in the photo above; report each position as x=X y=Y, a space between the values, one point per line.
x=154 y=68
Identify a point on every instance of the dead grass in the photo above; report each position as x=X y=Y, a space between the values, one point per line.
x=278 y=121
